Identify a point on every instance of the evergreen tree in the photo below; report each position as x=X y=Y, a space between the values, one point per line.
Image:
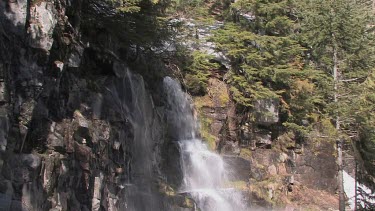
x=340 y=43
x=268 y=61
x=144 y=23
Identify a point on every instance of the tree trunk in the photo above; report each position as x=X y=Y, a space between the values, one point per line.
x=337 y=124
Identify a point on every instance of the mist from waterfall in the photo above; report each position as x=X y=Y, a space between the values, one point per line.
x=135 y=107
x=205 y=174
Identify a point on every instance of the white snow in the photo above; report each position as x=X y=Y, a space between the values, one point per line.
x=349 y=188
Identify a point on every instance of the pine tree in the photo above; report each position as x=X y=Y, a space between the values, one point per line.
x=339 y=40
x=268 y=60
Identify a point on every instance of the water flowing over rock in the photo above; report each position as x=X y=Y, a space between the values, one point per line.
x=136 y=107
x=88 y=120
x=205 y=174
x=181 y=120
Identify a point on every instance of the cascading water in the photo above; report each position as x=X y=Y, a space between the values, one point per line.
x=204 y=172
x=136 y=107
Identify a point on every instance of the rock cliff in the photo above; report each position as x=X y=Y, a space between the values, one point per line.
x=77 y=103
x=275 y=168
x=80 y=128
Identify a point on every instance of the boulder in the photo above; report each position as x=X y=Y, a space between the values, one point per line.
x=56 y=141
x=239 y=165
x=13 y=16
x=80 y=119
x=266 y=111
x=74 y=59
x=262 y=138
x=42 y=23
x=59 y=65
x=272 y=170
x=256 y=137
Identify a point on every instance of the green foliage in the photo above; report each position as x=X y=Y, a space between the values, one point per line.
x=268 y=60
x=129 y=6
x=344 y=28
x=205 y=131
x=190 y=7
x=196 y=83
x=197 y=72
x=245 y=153
x=263 y=65
x=344 y=23
x=272 y=17
x=341 y=26
x=135 y=6
x=286 y=52
x=200 y=10
x=364 y=110
x=139 y=23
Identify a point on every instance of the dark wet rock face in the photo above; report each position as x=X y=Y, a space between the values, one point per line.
x=79 y=129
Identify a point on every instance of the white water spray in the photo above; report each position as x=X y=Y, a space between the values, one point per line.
x=204 y=172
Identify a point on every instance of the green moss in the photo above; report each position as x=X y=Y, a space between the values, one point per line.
x=218 y=93
x=188 y=203
x=209 y=139
x=224 y=98
x=202 y=101
x=328 y=128
x=166 y=189
x=178 y=200
x=245 y=153
x=205 y=131
x=275 y=185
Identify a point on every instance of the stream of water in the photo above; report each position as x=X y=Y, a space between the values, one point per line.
x=205 y=175
x=135 y=106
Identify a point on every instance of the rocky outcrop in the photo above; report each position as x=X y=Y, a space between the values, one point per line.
x=74 y=118
x=13 y=16
x=216 y=116
x=266 y=111
x=42 y=22
x=78 y=129
x=273 y=167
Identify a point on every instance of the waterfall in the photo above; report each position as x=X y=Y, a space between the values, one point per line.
x=204 y=172
x=135 y=107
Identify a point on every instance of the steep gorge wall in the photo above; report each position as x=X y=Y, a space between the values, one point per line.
x=275 y=168
x=69 y=141
x=272 y=167
x=78 y=129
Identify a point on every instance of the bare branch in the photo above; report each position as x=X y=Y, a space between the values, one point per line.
x=353 y=79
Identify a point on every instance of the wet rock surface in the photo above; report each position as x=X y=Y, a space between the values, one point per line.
x=78 y=129
x=73 y=117
x=41 y=25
